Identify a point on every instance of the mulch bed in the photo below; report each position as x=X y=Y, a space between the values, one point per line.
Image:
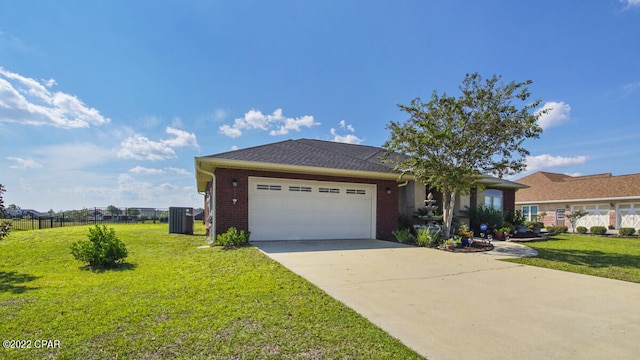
x=476 y=246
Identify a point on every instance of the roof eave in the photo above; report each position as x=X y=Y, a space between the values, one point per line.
x=206 y=165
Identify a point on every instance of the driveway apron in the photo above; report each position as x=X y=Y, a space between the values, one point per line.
x=471 y=306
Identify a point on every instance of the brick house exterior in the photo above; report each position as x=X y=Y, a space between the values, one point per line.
x=611 y=201
x=225 y=179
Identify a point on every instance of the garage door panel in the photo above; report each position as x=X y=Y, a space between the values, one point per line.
x=310 y=210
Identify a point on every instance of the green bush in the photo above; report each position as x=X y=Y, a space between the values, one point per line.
x=533 y=224
x=558 y=229
x=626 y=231
x=428 y=238
x=581 y=230
x=403 y=235
x=233 y=238
x=598 y=230
x=102 y=249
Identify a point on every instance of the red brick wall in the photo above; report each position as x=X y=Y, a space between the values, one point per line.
x=237 y=215
x=508 y=200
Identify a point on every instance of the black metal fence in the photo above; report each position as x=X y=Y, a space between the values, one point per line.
x=96 y=215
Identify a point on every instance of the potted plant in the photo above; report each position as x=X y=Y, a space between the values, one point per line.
x=464 y=234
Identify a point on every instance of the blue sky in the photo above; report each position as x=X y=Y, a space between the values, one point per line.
x=108 y=102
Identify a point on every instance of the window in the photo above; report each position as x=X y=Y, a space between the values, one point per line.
x=329 y=190
x=300 y=188
x=493 y=199
x=269 y=187
x=530 y=212
x=356 y=192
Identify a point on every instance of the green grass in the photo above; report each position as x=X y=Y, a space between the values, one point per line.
x=172 y=300
x=614 y=258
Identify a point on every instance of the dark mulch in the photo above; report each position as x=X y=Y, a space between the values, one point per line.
x=476 y=246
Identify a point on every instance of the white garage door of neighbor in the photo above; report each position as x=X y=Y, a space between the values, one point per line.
x=629 y=215
x=597 y=215
x=287 y=209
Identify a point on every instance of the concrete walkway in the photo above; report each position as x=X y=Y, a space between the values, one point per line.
x=471 y=306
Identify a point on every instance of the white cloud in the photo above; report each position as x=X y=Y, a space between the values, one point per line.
x=156 y=171
x=275 y=123
x=630 y=3
x=182 y=138
x=25 y=100
x=234 y=147
x=141 y=148
x=345 y=126
x=558 y=114
x=144 y=170
x=348 y=138
x=178 y=171
x=544 y=161
x=24 y=163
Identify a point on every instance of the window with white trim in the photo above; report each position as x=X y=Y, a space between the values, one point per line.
x=356 y=192
x=530 y=212
x=268 y=187
x=329 y=190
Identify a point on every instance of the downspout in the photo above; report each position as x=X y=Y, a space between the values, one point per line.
x=212 y=201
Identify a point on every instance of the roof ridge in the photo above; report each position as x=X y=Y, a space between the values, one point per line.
x=367 y=159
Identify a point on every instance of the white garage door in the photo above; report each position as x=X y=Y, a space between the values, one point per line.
x=286 y=209
x=597 y=215
x=629 y=215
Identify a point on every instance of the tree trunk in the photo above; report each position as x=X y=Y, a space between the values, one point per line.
x=448 y=204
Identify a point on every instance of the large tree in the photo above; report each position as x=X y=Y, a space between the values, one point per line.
x=450 y=142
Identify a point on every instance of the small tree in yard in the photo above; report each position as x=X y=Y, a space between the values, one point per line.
x=575 y=216
x=102 y=249
x=449 y=143
x=5 y=226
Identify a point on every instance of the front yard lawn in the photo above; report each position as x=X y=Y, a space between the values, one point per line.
x=171 y=300
x=614 y=258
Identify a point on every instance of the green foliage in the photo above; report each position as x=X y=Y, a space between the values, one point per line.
x=233 y=238
x=450 y=142
x=533 y=224
x=581 y=230
x=483 y=215
x=174 y=300
x=403 y=235
x=515 y=218
x=428 y=238
x=574 y=216
x=598 y=230
x=5 y=226
x=103 y=249
x=557 y=229
x=626 y=231
x=609 y=258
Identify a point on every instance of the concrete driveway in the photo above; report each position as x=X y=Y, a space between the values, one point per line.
x=472 y=306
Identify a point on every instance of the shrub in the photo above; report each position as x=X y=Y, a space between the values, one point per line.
x=233 y=238
x=403 y=235
x=427 y=238
x=557 y=229
x=533 y=224
x=581 y=230
x=626 y=231
x=598 y=230
x=102 y=249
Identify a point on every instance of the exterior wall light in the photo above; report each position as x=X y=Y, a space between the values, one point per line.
x=234 y=183
x=388 y=190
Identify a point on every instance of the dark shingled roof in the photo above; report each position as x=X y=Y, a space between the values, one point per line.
x=316 y=153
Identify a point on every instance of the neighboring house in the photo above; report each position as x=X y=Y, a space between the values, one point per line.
x=314 y=189
x=21 y=213
x=609 y=200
